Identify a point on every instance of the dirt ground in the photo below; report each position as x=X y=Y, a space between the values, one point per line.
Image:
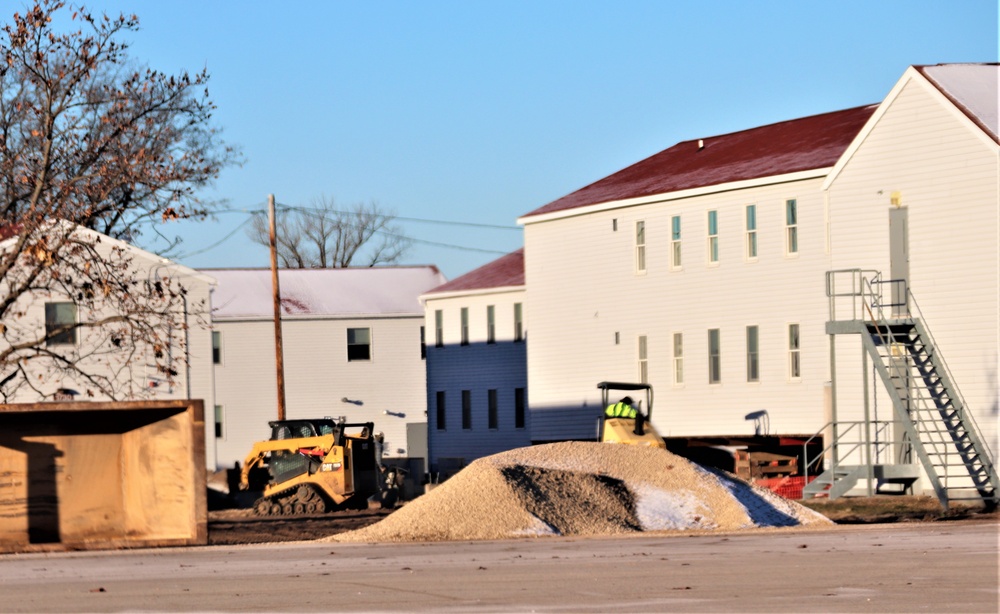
x=241 y=526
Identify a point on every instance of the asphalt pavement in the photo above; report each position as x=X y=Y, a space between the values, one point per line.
x=918 y=567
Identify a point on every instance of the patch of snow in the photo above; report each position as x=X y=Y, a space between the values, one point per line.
x=662 y=510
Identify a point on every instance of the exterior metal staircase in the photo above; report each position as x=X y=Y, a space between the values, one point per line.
x=927 y=404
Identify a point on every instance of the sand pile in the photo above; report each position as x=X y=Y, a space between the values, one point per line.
x=583 y=488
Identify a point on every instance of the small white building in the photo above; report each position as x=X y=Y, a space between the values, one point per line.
x=353 y=343
x=476 y=364
x=130 y=375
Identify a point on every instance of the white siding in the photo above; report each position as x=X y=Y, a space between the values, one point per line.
x=318 y=376
x=947 y=177
x=194 y=377
x=583 y=289
x=477 y=367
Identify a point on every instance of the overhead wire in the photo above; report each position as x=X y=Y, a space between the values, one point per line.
x=316 y=212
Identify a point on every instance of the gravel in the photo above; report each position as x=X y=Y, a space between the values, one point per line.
x=583 y=488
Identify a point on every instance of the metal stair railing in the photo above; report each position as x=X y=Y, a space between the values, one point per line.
x=945 y=372
x=879 y=446
x=898 y=356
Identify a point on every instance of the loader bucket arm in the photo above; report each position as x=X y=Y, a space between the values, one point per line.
x=261 y=449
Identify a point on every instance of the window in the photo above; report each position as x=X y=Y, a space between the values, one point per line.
x=675 y=241
x=678 y=358
x=216 y=347
x=441 y=424
x=59 y=316
x=519 y=408
x=643 y=362
x=219 y=421
x=359 y=344
x=753 y=365
x=713 y=237
x=438 y=328
x=714 y=357
x=491 y=324
x=791 y=227
x=518 y=323
x=491 y=401
x=423 y=345
x=751 y=232
x=466 y=409
x=614 y=225
x=465 y=326
x=794 y=367
x=640 y=247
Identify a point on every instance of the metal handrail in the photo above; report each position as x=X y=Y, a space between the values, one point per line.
x=939 y=360
x=878 y=447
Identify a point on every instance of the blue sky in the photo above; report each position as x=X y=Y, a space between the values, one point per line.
x=480 y=111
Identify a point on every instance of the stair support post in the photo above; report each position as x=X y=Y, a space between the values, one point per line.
x=870 y=470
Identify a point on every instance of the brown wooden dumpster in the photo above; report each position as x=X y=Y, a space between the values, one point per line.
x=102 y=475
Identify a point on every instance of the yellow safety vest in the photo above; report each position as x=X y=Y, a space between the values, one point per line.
x=620 y=410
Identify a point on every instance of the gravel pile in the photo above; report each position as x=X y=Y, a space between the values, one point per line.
x=583 y=488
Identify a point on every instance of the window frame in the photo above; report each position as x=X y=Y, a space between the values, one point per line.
x=714 y=356
x=53 y=322
x=220 y=422
x=464 y=320
x=678 y=358
x=712 y=227
x=369 y=345
x=492 y=410
x=518 y=322
x=751 y=233
x=491 y=324
x=640 y=247
x=676 y=260
x=791 y=227
x=217 y=347
x=423 y=342
x=441 y=411
x=753 y=353
x=642 y=351
x=438 y=328
x=794 y=351
x=520 y=409
x=466 y=410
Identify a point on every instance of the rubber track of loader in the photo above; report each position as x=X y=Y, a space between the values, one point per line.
x=275 y=501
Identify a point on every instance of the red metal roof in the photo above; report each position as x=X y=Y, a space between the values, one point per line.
x=776 y=149
x=503 y=272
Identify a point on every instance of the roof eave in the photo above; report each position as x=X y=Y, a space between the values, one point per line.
x=911 y=74
x=471 y=292
x=678 y=195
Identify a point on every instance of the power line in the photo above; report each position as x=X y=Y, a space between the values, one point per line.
x=217 y=243
x=314 y=210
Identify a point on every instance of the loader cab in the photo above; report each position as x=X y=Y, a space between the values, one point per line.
x=297 y=429
x=633 y=431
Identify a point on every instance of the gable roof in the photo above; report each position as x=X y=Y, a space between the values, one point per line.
x=973 y=88
x=792 y=146
x=504 y=272
x=368 y=291
x=10 y=231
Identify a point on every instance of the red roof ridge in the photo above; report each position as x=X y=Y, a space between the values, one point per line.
x=505 y=271
x=795 y=145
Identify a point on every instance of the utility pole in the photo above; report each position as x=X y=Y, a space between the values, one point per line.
x=278 y=351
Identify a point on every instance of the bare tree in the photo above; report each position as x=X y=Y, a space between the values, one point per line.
x=322 y=236
x=88 y=140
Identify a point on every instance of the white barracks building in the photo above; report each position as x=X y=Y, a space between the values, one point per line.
x=705 y=271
